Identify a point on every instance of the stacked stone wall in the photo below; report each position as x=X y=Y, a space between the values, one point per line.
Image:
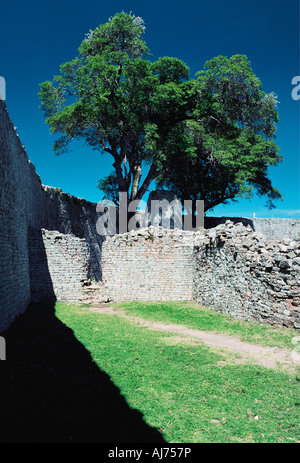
x=59 y=265
x=14 y=205
x=150 y=264
x=26 y=204
x=240 y=273
x=229 y=268
x=59 y=211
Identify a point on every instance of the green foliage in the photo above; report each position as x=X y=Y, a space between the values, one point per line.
x=208 y=138
x=225 y=151
x=109 y=186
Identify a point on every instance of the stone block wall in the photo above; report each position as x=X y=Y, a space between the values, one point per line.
x=25 y=203
x=229 y=268
x=233 y=269
x=15 y=172
x=240 y=273
x=59 y=265
x=59 y=211
x=152 y=264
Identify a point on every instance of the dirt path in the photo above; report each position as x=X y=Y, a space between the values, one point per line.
x=270 y=357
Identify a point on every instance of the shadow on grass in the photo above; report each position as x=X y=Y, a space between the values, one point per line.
x=52 y=391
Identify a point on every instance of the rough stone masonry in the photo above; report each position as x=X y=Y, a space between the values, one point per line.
x=229 y=268
x=49 y=248
x=27 y=207
x=241 y=273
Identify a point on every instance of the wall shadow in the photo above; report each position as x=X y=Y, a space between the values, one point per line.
x=51 y=391
x=41 y=285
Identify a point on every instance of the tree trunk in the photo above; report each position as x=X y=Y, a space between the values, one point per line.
x=136 y=182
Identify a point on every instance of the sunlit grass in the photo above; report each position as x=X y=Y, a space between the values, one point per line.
x=182 y=389
x=192 y=315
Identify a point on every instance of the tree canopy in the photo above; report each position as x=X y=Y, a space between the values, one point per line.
x=211 y=137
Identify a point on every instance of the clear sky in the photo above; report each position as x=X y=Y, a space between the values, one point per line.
x=37 y=37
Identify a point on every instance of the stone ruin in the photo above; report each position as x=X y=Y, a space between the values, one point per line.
x=229 y=268
x=49 y=248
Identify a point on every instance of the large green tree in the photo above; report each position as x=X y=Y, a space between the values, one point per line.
x=224 y=152
x=210 y=138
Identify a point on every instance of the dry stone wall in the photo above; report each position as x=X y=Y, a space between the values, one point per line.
x=229 y=268
x=149 y=264
x=59 y=265
x=241 y=273
x=59 y=211
x=25 y=205
x=15 y=178
x=50 y=248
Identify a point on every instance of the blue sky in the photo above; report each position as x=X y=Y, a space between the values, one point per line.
x=37 y=37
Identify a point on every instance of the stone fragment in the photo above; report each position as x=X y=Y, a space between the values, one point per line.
x=284 y=264
x=283 y=247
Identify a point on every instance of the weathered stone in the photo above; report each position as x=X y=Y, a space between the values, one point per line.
x=235 y=269
x=223 y=277
x=284 y=264
x=282 y=247
x=296 y=262
x=59 y=265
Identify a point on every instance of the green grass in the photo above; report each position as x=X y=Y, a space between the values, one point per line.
x=194 y=316
x=182 y=389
